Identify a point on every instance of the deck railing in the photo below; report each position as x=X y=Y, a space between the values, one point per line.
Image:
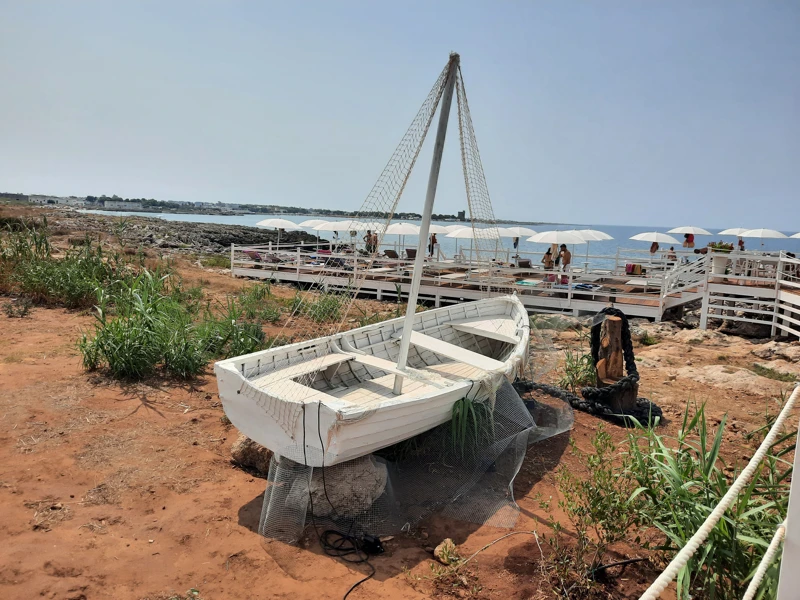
x=755 y=287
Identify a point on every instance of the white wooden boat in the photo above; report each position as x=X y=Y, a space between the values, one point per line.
x=338 y=393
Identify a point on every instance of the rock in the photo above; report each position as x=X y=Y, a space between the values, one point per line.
x=781 y=366
x=446 y=552
x=557 y=322
x=731 y=378
x=246 y=453
x=638 y=333
x=691 y=320
x=778 y=350
x=703 y=337
x=351 y=487
x=751 y=330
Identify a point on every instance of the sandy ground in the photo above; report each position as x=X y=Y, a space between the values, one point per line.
x=112 y=490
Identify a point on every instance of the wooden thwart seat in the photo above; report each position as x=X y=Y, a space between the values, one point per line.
x=304 y=368
x=498 y=328
x=455 y=352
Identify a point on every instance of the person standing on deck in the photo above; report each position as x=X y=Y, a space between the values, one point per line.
x=547 y=260
x=566 y=257
x=654 y=247
x=374 y=242
x=432 y=245
x=688 y=240
x=368 y=242
x=741 y=245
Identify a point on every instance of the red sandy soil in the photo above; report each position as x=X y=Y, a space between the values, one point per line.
x=111 y=490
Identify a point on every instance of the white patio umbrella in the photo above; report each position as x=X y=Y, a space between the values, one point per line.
x=401 y=230
x=449 y=228
x=332 y=226
x=311 y=223
x=470 y=233
x=690 y=229
x=557 y=237
x=762 y=234
x=592 y=235
x=796 y=235
x=438 y=229
x=655 y=236
x=513 y=232
x=279 y=224
x=737 y=231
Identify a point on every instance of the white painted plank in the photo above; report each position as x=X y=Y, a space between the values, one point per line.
x=504 y=330
x=303 y=368
x=456 y=353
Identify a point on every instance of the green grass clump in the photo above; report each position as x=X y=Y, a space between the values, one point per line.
x=648 y=340
x=216 y=262
x=27 y=268
x=579 y=371
x=326 y=308
x=155 y=328
x=773 y=374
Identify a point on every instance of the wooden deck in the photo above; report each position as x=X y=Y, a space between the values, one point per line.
x=648 y=294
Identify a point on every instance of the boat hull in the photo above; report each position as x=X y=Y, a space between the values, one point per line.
x=321 y=421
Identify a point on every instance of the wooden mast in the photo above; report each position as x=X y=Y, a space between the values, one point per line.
x=433 y=180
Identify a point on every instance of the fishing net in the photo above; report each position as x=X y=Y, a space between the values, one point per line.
x=393 y=490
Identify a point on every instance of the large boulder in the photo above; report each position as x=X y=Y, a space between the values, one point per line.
x=747 y=329
x=250 y=455
x=349 y=488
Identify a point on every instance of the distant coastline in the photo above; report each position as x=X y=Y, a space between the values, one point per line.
x=150 y=205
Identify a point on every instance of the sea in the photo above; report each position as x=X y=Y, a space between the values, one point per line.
x=606 y=248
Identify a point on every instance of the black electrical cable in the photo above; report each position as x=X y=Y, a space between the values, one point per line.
x=343 y=544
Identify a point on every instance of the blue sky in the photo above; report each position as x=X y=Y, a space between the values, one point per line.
x=597 y=112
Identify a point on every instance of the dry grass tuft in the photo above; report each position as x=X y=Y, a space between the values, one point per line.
x=48 y=512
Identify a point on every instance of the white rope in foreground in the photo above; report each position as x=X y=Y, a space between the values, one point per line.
x=769 y=555
x=680 y=560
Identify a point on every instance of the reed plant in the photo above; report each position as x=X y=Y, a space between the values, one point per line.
x=682 y=479
x=471 y=425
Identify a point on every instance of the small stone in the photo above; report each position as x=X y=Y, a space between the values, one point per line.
x=151 y=541
x=445 y=552
x=428 y=549
x=424 y=535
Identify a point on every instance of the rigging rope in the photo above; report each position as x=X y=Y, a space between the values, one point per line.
x=682 y=558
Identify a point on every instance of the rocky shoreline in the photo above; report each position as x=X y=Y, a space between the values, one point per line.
x=179 y=236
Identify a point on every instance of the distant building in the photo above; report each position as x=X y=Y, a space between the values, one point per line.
x=71 y=201
x=9 y=196
x=462 y=215
x=122 y=205
x=39 y=199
